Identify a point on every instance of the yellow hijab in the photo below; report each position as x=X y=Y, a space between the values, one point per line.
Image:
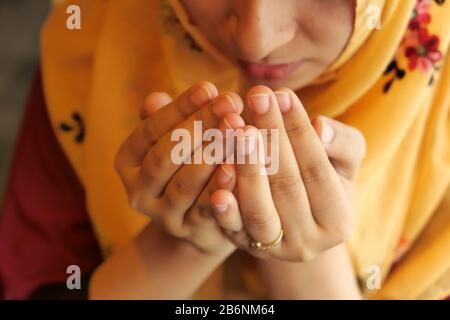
x=96 y=78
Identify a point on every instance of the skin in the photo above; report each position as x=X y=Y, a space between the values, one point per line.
x=315 y=32
x=204 y=212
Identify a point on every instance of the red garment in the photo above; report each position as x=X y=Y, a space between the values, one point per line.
x=44 y=225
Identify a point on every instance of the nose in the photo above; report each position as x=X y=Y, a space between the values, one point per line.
x=258 y=27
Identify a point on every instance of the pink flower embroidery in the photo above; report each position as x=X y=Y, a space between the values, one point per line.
x=419 y=46
x=420 y=16
x=422 y=50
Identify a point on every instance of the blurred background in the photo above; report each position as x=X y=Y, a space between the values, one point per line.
x=20 y=23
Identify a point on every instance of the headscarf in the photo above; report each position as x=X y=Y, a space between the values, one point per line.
x=391 y=83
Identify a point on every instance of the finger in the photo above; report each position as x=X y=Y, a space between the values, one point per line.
x=133 y=150
x=287 y=189
x=258 y=210
x=149 y=179
x=200 y=216
x=322 y=184
x=176 y=148
x=154 y=102
x=189 y=182
x=153 y=128
x=344 y=145
x=226 y=210
x=229 y=218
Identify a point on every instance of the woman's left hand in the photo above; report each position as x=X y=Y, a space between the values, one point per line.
x=312 y=196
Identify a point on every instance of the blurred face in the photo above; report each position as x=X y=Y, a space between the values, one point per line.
x=277 y=42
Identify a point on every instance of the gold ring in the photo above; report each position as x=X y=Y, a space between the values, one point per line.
x=264 y=246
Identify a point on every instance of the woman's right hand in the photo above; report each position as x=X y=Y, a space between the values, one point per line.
x=177 y=195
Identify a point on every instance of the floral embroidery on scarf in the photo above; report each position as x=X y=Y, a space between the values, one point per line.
x=77 y=126
x=419 y=47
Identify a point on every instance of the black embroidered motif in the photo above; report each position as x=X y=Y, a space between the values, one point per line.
x=398 y=74
x=436 y=69
x=418 y=46
x=78 y=127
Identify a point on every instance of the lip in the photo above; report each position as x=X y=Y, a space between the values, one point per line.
x=269 y=71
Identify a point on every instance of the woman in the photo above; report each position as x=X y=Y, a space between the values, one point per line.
x=256 y=65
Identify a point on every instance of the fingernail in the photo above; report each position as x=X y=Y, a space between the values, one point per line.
x=224 y=105
x=201 y=95
x=259 y=103
x=284 y=101
x=247 y=143
x=221 y=207
x=156 y=101
x=231 y=121
x=224 y=175
x=327 y=132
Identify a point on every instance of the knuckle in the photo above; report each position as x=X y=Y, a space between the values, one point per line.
x=198 y=216
x=256 y=221
x=172 y=226
x=304 y=254
x=182 y=187
x=149 y=165
x=204 y=210
x=316 y=173
x=249 y=172
x=140 y=203
x=148 y=174
x=149 y=131
x=193 y=217
x=285 y=185
x=273 y=132
x=159 y=159
x=299 y=130
x=134 y=200
x=305 y=248
x=175 y=199
x=169 y=200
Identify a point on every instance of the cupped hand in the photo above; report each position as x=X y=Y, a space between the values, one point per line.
x=309 y=202
x=177 y=195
